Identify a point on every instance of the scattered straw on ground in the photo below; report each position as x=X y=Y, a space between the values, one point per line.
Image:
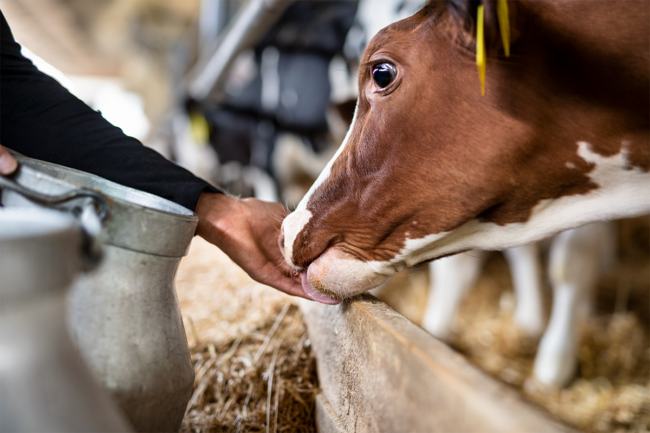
x=251 y=354
x=612 y=392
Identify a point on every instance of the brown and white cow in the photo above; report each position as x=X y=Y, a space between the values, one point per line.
x=431 y=168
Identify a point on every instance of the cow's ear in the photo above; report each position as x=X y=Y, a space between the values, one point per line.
x=496 y=26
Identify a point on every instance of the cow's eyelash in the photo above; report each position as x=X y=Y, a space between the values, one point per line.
x=378 y=60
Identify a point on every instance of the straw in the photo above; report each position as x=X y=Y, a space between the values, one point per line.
x=250 y=350
x=269 y=336
x=270 y=388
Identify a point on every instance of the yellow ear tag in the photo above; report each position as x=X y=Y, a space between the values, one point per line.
x=504 y=24
x=480 y=48
x=199 y=128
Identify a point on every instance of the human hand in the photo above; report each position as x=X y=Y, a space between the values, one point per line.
x=247 y=231
x=7 y=162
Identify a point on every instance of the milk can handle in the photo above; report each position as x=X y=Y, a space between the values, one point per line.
x=91 y=244
x=53 y=200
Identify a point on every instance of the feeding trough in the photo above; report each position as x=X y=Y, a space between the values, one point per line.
x=380 y=372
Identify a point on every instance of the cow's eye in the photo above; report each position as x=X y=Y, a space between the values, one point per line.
x=384 y=74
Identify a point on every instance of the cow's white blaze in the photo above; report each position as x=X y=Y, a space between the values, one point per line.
x=293 y=224
x=326 y=171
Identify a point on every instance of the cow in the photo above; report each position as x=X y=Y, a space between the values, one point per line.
x=453 y=277
x=431 y=167
x=577 y=260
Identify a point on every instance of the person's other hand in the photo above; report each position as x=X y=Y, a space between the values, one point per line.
x=247 y=231
x=7 y=162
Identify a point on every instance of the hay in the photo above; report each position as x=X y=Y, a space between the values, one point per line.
x=250 y=349
x=612 y=392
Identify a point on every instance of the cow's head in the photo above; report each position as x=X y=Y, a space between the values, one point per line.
x=430 y=167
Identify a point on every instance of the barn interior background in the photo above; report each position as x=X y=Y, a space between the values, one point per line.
x=267 y=129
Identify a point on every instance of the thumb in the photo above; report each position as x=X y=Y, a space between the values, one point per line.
x=7 y=162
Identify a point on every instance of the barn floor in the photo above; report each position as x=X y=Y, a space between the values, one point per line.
x=249 y=347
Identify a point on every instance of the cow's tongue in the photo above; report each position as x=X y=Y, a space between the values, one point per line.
x=316 y=295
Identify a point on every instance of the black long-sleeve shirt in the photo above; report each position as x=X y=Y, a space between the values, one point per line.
x=41 y=119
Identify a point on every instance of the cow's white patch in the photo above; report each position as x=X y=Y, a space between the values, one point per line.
x=293 y=224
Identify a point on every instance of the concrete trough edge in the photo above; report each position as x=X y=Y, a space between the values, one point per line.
x=379 y=372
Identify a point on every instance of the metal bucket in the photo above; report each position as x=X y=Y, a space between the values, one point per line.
x=124 y=314
x=44 y=384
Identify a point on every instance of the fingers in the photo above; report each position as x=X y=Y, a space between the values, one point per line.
x=7 y=162
x=287 y=284
x=279 y=279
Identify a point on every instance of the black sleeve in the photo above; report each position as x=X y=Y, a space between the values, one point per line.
x=41 y=119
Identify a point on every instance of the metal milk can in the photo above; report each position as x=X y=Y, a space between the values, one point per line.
x=124 y=315
x=44 y=383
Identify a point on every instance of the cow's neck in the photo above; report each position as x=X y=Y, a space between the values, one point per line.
x=624 y=191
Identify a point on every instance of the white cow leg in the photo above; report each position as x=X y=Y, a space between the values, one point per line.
x=451 y=278
x=574 y=268
x=525 y=269
x=555 y=363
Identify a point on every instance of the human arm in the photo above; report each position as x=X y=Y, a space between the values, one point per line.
x=41 y=119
